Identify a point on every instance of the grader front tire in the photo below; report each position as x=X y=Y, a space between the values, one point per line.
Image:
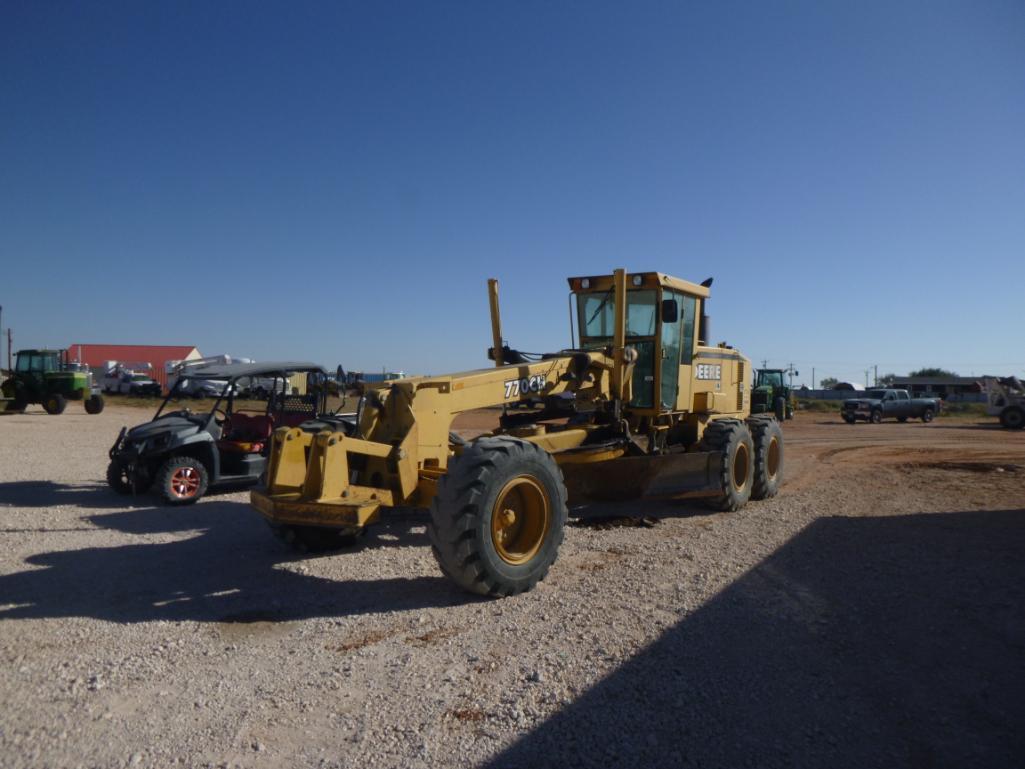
x=497 y=519
x=732 y=440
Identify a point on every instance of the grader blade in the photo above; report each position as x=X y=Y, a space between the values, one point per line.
x=693 y=474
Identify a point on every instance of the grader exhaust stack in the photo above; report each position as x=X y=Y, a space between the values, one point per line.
x=639 y=408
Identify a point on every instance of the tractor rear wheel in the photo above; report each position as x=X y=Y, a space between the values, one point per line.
x=767 y=438
x=55 y=403
x=181 y=480
x=15 y=406
x=732 y=441
x=497 y=519
x=94 y=404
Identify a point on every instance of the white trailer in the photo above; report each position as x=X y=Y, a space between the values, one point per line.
x=179 y=369
x=1005 y=398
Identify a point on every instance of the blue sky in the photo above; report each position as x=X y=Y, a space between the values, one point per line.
x=337 y=181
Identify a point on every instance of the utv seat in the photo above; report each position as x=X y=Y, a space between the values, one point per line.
x=246 y=433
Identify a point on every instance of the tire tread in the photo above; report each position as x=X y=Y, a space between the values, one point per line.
x=462 y=489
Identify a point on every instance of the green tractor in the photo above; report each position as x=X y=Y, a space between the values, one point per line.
x=771 y=395
x=49 y=378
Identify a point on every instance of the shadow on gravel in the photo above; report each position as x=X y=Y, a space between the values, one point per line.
x=50 y=494
x=863 y=642
x=87 y=495
x=994 y=426
x=636 y=513
x=227 y=570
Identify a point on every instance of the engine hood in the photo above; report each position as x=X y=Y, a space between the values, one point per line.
x=859 y=402
x=177 y=425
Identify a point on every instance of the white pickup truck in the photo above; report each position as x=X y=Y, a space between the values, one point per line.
x=126 y=381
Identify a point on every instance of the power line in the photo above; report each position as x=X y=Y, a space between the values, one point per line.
x=857 y=364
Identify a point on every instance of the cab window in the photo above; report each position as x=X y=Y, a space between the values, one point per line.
x=640 y=313
x=597 y=316
x=688 y=310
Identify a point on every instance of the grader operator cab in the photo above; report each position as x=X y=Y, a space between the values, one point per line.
x=642 y=405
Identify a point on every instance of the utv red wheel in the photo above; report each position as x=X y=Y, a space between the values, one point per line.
x=185 y=482
x=181 y=480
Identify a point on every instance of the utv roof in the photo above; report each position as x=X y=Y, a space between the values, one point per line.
x=234 y=370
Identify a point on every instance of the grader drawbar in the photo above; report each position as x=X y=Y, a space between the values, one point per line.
x=641 y=405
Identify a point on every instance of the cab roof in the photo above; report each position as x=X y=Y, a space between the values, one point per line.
x=648 y=280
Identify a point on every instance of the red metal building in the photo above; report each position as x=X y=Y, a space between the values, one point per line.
x=96 y=355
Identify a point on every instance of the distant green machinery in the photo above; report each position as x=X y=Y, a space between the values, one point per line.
x=47 y=377
x=771 y=394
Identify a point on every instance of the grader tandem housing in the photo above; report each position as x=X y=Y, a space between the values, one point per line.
x=642 y=406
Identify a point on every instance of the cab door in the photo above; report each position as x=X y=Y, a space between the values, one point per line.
x=685 y=368
x=671 y=344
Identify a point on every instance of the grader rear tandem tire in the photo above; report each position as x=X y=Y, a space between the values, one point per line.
x=497 y=519
x=732 y=440
x=767 y=437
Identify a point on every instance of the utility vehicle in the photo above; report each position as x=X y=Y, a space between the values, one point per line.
x=180 y=454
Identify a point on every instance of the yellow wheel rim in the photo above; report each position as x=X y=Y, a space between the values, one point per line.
x=520 y=519
x=741 y=466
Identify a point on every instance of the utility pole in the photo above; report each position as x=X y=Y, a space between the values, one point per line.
x=877 y=374
x=791 y=372
x=765 y=363
x=10 y=343
x=867 y=372
x=813 y=377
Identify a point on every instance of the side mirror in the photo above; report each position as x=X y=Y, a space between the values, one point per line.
x=670 y=311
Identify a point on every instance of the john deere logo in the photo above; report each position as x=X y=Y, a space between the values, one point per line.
x=709 y=371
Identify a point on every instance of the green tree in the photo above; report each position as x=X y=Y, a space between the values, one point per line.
x=932 y=372
x=887 y=379
x=828 y=383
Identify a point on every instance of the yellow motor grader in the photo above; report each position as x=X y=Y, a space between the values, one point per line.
x=641 y=405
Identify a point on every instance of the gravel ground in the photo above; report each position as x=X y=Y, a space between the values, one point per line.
x=871 y=615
